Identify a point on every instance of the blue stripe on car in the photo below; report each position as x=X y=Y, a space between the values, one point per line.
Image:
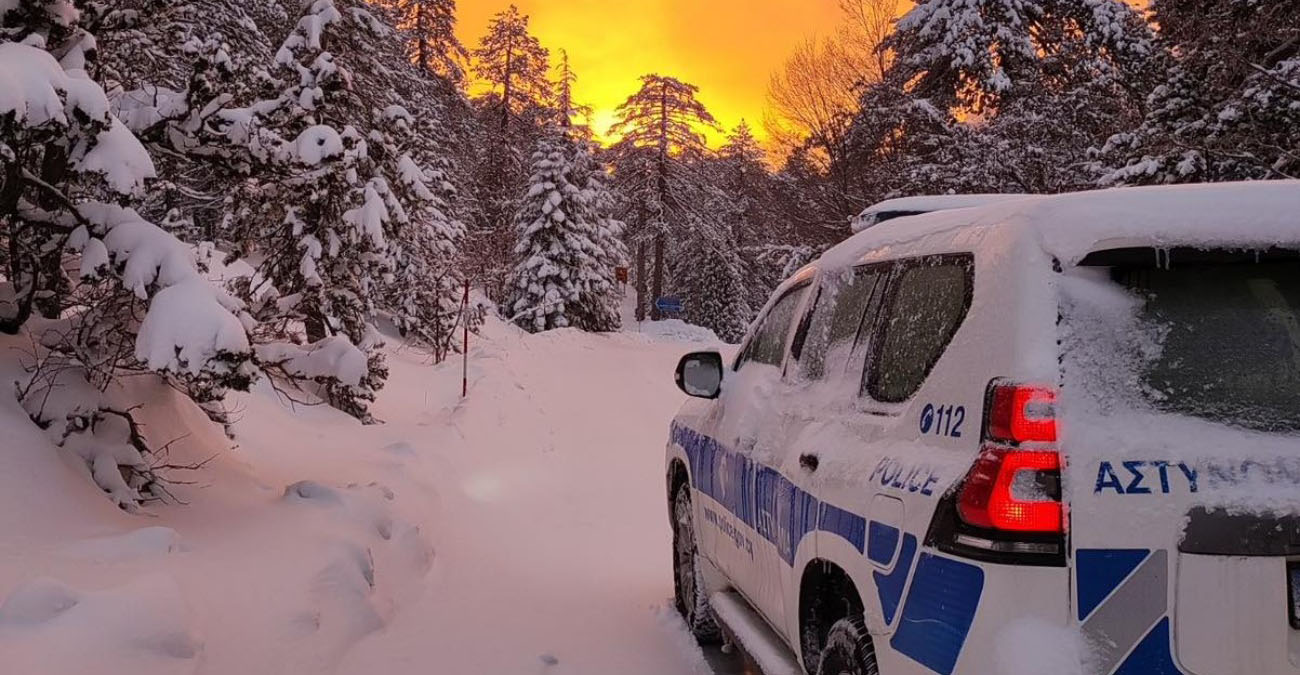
x=939 y=611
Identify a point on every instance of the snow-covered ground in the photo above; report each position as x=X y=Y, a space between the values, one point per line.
x=522 y=530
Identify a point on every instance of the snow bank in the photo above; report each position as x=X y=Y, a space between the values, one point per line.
x=675 y=330
x=146 y=542
x=143 y=626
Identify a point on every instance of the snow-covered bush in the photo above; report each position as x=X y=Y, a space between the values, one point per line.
x=115 y=293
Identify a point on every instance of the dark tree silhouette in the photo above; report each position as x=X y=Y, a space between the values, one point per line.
x=512 y=59
x=660 y=129
x=433 y=45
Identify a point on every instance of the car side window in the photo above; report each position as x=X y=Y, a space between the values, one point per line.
x=767 y=345
x=930 y=299
x=840 y=319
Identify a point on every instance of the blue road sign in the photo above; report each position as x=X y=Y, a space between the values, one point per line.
x=669 y=305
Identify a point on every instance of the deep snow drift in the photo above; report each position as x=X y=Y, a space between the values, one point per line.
x=522 y=530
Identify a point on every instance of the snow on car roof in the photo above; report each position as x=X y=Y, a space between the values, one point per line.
x=1071 y=225
x=921 y=204
x=929 y=203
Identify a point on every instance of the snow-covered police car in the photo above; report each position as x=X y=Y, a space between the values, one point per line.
x=1055 y=435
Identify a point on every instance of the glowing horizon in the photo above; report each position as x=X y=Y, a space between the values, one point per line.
x=727 y=48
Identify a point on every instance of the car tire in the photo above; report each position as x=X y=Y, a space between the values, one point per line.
x=688 y=581
x=849 y=650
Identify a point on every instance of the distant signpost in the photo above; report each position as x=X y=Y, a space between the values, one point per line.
x=669 y=305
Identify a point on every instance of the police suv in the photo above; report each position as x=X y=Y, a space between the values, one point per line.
x=1051 y=435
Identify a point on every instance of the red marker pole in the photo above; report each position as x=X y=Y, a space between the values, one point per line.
x=464 y=319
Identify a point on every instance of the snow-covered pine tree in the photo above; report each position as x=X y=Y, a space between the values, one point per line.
x=742 y=175
x=600 y=297
x=708 y=271
x=654 y=170
x=964 y=53
x=172 y=68
x=138 y=304
x=598 y=306
x=554 y=247
x=324 y=251
x=716 y=292
x=1228 y=105
x=569 y=242
x=422 y=292
x=757 y=232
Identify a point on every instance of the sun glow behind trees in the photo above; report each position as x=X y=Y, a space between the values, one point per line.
x=726 y=47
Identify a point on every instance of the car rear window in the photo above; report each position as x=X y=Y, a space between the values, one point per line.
x=1230 y=335
x=930 y=299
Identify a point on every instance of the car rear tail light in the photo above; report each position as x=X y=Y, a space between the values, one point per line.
x=1011 y=489
x=1008 y=508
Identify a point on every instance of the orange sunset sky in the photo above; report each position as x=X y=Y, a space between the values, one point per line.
x=728 y=48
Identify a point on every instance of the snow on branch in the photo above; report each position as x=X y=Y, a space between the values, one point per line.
x=189 y=326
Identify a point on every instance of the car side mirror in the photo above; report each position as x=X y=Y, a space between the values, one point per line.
x=699 y=374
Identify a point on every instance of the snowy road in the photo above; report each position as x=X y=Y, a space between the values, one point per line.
x=552 y=544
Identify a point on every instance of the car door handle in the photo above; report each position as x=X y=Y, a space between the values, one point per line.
x=809 y=461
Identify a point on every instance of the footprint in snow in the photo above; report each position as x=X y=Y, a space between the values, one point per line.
x=401 y=448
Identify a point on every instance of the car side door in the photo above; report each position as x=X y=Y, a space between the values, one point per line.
x=826 y=433
x=747 y=431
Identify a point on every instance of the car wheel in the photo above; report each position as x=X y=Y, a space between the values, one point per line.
x=848 y=650
x=690 y=594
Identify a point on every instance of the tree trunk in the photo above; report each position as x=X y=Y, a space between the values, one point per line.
x=11 y=189
x=640 y=281
x=315 y=325
x=421 y=37
x=658 y=289
x=52 y=288
x=506 y=93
